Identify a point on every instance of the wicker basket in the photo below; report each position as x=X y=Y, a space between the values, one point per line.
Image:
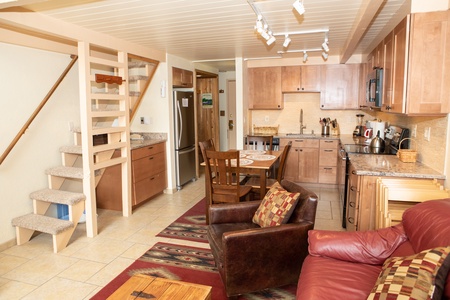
x=406 y=155
x=265 y=130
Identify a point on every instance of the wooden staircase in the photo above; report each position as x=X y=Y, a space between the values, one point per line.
x=61 y=230
x=109 y=109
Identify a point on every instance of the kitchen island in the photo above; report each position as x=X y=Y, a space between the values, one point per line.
x=363 y=173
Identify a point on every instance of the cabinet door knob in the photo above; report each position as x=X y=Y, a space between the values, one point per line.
x=352 y=188
x=351 y=220
x=351 y=204
x=150 y=158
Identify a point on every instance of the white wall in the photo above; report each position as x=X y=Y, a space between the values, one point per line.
x=224 y=77
x=25 y=78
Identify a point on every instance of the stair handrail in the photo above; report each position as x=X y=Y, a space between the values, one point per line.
x=38 y=109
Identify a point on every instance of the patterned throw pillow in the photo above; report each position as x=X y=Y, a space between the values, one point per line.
x=276 y=207
x=419 y=276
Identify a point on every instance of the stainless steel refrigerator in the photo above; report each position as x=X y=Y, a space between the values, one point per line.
x=183 y=110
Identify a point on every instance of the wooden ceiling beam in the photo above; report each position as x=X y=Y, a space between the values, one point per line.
x=368 y=11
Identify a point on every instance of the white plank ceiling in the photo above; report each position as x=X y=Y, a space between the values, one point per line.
x=220 y=30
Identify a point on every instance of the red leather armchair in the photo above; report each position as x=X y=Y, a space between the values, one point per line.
x=250 y=258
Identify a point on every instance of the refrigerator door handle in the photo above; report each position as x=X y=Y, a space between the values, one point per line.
x=180 y=123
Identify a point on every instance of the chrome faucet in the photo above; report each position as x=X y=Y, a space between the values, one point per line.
x=301 y=121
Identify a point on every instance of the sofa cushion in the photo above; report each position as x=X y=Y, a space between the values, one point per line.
x=332 y=279
x=276 y=207
x=419 y=276
x=369 y=247
x=427 y=224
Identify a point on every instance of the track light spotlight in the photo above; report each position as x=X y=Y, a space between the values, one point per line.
x=325 y=45
x=270 y=40
x=287 y=41
x=305 y=56
x=325 y=55
x=265 y=35
x=299 y=7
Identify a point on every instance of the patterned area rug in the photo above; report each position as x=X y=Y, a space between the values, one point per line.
x=190 y=226
x=189 y=264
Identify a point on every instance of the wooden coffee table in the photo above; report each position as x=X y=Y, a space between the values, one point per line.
x=148 y=287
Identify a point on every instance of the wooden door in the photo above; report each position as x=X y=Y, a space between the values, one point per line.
x=207 y=115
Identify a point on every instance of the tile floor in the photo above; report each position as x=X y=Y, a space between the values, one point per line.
x=33 y=271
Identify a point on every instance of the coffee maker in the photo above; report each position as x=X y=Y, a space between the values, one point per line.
x=359 y=129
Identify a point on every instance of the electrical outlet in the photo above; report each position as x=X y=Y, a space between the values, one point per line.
x=142 y=120
x=414 y=131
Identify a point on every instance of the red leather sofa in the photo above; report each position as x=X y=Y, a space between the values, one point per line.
x=346 y=265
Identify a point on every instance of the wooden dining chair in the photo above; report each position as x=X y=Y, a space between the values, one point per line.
x=255 y=181
x=206 y=145
x=222 y=172
x=259 y=142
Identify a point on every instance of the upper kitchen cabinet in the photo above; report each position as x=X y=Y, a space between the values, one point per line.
x=300 y=79
x=182 y=78
x=417 y=65
x=339 y=86
x=429 y=64
x=264 y=88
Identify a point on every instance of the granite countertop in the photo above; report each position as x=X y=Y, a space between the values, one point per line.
x=390 y=165
x=143 y=139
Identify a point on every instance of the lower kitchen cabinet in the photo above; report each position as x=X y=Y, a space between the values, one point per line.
x=361 y=200
x=148 y=168
x=328 y=159
x=302 y=161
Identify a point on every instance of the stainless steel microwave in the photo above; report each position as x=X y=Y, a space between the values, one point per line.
x=374 y=87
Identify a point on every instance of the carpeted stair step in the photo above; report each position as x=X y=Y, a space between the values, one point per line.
x=74 y=149
x=58 y=196
x=42 y=223
x=66 y=172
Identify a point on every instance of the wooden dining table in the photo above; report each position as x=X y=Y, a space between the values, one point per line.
x=257 y=166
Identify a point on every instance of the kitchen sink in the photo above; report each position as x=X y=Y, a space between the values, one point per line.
x=295 y=135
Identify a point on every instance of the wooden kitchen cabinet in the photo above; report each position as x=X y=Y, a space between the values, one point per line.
x=361 y=199
x=353 y=200
x=302 y=161
x=328 y=161
x=417 y=65
x=429 y=64
x=300 y=79
x=339 y=86
x=264 y=88
x=148 y=168
x=182 y=78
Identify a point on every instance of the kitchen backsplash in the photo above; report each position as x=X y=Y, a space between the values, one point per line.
x=289 y=117
x=431 y=153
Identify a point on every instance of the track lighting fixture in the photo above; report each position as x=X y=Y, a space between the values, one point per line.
x=305 y=56
x=299 y=7
x=325 y=55
x=325 y=45
x=287 y=41
x=265 y=35
x=271 y=40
